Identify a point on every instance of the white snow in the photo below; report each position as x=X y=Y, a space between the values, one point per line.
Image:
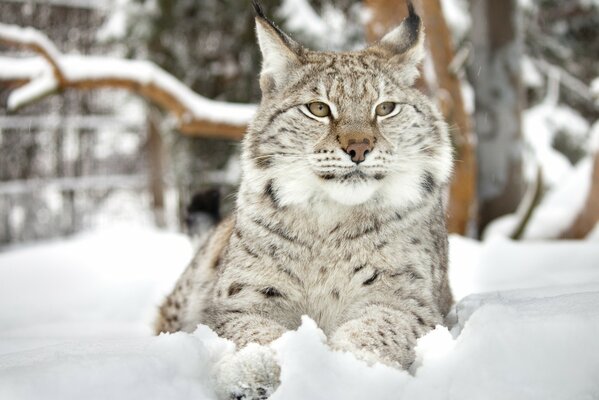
x=300 y=16
x=567 y=185
x=30 y=37
x=75 y=319
x=34 y=89
x=531 y=77
x=329 y=31
x=457 y=17
x=22 y=68
x=115 y=26
x=556 y=212
x=540 y=125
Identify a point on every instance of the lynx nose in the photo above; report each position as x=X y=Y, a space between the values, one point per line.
x=358 y=148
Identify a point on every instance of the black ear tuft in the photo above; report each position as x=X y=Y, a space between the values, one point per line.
x=258 y=9
x=262 y=16
x=411 y=8
x=412 y=23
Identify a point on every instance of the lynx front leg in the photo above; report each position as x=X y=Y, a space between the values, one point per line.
x=381 y=334
x=251 y=373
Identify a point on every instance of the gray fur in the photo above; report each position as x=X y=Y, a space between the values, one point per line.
x=361 y=249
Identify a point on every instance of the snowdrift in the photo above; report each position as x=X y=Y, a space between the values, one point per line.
x=75 y=321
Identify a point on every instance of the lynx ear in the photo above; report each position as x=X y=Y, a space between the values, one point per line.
x=404 y=46
x=280 y=53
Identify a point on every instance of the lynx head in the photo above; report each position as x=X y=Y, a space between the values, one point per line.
x=345 y=127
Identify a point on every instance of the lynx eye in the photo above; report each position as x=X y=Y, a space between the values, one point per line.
x=385 y=108
x=319 y=109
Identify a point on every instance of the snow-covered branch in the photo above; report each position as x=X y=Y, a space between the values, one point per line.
x=53 y=71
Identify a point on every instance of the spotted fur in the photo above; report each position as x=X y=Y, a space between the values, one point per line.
x=361 y=249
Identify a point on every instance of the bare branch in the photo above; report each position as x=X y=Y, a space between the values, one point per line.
x=53 y=71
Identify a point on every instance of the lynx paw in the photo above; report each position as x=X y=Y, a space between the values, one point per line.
x=250 y=374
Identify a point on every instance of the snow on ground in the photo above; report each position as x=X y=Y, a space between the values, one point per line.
x=75 y=320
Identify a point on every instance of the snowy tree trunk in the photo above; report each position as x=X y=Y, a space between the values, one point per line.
x=495 y=74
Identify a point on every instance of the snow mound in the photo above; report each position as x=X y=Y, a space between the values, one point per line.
x=75 y=317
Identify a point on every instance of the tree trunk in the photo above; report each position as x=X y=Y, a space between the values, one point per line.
x=155 y=153
x=589 y=215
x=462 y=202
x=495 y=72
x=384 y=16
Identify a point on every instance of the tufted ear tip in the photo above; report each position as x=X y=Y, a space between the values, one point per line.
x=406 y=36
x=258 y=10
x=404 y=46
x=280 y=53
x=413 y=23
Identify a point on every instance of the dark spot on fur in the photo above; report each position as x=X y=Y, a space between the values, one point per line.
x=249 y=251
x=415 y=241
x=379 y=177
x=270 y=193
x=359 y=268
x=217 y=261
x=270 y=292
x=272 y=250
x=414 y=332
x=381 y=244
x=263 y=161
x=374 y=228
x=335 y=294
x=289 y=274
x=428 y=182
x=335 y=229
x=382 y=334
x=235 y=288
x=371 y=279
x=327 y=177
x=278 y=231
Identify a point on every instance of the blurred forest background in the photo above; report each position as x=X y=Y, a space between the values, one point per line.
x=517 y=80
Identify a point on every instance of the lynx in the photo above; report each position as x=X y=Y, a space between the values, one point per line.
x=340 y=213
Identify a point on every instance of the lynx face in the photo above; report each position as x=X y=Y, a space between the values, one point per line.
x=345 y=127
